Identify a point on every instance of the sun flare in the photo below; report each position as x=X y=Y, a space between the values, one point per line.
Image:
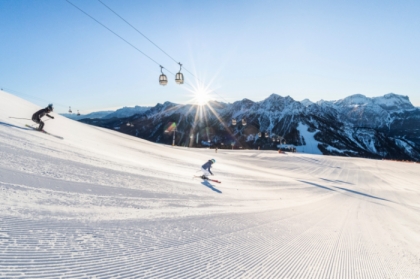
x=201 y=93
x=201 y=97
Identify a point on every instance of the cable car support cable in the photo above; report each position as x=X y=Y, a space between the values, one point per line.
x=185 y=69
x=103 y=25
x=137 y=30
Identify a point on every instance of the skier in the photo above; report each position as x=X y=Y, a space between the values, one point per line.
x=206 y=168
x=41 y=113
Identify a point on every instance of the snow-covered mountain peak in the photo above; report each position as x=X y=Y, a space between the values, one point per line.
x=97 y=114
x=392 y=101
x=387 y=102
x=275 y=98
x=168 y=104
x=276 y=105
x=162 y=107
x=323 y=102
x=126 y=112
x=354 y=100
x=245 y=100
x=306 y=102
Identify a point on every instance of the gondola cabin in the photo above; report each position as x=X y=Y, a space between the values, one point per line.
x=163 y=80
x=179 y=78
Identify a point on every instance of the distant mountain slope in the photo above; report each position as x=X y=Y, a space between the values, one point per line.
x=379 y=127
x=93 y=115
x=126 y=112
x=119 y=113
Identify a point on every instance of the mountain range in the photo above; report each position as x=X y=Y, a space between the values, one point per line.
x=385 y=127
x=120 y=113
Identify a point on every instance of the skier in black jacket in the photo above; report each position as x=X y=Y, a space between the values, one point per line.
x=206 y=168
x=39 y=114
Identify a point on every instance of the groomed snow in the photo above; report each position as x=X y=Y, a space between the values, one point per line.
x=101 y=204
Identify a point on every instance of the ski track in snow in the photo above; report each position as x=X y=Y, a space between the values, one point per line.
x=100 y=204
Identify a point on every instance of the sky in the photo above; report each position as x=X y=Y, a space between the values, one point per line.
x=51 y=52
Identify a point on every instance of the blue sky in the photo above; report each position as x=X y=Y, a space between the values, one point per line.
x=52 y=52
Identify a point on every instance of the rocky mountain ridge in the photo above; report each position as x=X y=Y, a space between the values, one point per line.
x=379 y=127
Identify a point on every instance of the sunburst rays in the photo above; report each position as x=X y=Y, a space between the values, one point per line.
x=202 y=95
x=200 y=100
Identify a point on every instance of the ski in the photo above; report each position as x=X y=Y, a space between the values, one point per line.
x=45 y=132
x=214 y=180
x=209 y=179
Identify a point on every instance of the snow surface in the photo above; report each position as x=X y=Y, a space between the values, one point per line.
x=101 y=204
x=311 y=145
x=333 y=149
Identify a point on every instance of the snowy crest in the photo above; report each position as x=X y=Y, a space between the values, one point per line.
x=127 y=112
x=393 y=101
x=306 y=102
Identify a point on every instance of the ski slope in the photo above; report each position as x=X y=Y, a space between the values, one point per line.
x=101 y=204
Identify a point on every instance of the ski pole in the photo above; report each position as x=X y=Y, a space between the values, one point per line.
x=19 y=118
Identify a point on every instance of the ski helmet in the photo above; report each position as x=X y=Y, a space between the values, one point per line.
x=50 y=107
x=214 y=161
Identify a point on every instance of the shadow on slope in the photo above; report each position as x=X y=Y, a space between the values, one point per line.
x=316 y=161
x=360 y=193
x=344 y=189
x=14 y=126
x=207 y=184
x=339 y=181
x=316 y=185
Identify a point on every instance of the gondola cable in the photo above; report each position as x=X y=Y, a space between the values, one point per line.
x=17 y=93
x=138 y=31
x=103 y=25
x=133 y=45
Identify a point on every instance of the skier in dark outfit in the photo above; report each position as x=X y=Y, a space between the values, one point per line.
x=39 y=114
x=206 y=168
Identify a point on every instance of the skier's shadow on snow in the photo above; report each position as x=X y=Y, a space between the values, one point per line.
x=360 y=193
x=207 y=184
x=318 y=162
x=14 y=126
x=344 y=189
x=316 y=185
x=335 y=181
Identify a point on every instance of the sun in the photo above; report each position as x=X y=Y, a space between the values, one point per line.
x=200 y=93
x=201 y=97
